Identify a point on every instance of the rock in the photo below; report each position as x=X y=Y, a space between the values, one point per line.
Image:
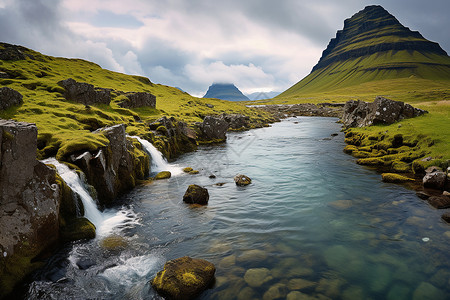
x=341 y=204
x=184 y=278
x=257 y=277
x=381 y=111
x=435 y=178
x=113 y=243
x=9 y=97
x=423 y=195
x=446 y=217
x=395 y=178
x=439 y=202
x=242 y=180
x=330 y=287
x=196 y=194
x=445 y=193
x=139 y=99
x=13 y=52
x=213 y=129
x=187 y=169
x=193 y=172
x=236 y=121
x=246 y=294
x=426 y=290
x=163 y=175
x=399 y=292
x=353 y=292
x=84 y=93
x=29 y=202
x=78 y=229
x=300 y=284
x=276 y=291
x=212 y=176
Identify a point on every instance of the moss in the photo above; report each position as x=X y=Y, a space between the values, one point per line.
x=395 y=178
x=7 y=136
x=193 y=172
x=372 y=161
x=187 y=169
x=162 y=129
x=163 y=175
x=400 y=167
x=77 y=229
x=114 y=243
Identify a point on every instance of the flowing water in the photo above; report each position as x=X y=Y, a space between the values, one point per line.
x=312 y=224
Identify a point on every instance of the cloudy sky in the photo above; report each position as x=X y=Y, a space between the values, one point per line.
x=260 y=45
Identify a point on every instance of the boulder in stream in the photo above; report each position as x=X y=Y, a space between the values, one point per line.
x=242 y=180
x=184 y=278
x=196 y=194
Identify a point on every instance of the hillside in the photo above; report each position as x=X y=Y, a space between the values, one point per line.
x=65 y=124
x=373 y=47
x=225 y=91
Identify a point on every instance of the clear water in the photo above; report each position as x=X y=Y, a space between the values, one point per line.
x=313 y=223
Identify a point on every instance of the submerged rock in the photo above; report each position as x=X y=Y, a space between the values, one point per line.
x=242 y=180
x=257 y=277
x=163 y=175
x=196 y=194
x=439 y=202
x=184 y=278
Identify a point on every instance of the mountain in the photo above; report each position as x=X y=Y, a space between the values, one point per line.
x=225 y=91
x=262 y=95
x=373 y=46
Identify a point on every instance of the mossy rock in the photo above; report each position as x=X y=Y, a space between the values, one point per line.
x=400 y=167
x=350 y=148
x=360 y=154
x=193 y=172
x=184 y=278
x=78 y=229
x=242 y=180
x=163 y=175
x=395 y=178
x=114 y=243
x=187 y=169
x=196 y=194
x=371 y=161
x=163 y=130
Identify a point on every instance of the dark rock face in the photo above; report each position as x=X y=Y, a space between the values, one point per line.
x=85 y=93
x=184 y=278
x=139 y=99
x=13 y=52
x=196 y=194
x=9 y=97
x=381 y=111
x=435 y=178
x=111 y=169
x=213 y=128
x=29 y=202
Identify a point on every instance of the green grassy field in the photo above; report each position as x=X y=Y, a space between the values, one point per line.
x=66 y=126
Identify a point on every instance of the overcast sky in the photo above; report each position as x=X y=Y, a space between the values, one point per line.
x=259 y=45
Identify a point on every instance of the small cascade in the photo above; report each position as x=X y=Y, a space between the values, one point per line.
x=72 y=179
x=159 y=162
x=105 y=222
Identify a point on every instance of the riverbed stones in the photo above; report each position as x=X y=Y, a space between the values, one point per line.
x=9 y=97
x=242 y=180
x=184 y=278
x=256 y=277
x=251 y=256
x=300 y=284
x=426 y=290
x=196 y=194
x=163 y=175
x=341 y=204
x=276 y=291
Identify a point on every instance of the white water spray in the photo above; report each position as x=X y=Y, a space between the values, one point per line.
x=159 y=162
x=105 y=222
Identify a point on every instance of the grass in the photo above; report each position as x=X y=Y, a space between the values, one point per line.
x=65 y=126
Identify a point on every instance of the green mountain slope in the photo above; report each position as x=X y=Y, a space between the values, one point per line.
x=373 y=46
x=225 y=91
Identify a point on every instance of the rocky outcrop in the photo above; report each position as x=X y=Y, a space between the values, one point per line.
x=304 y=109
x=29 y=203
x=140 y=99
x=173 y=137
x=213 y=128
x=184 y=278
x=9 y=97
x=85 y=93
x=381 y=111
x=434 y=178
x=236 y=121
x=114 y=168
x=13 y=52
x=196 y=194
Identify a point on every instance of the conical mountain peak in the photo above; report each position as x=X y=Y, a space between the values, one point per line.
x=374 y=45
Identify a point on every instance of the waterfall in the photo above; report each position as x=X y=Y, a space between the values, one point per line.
x=159 y=162
x=105 y=222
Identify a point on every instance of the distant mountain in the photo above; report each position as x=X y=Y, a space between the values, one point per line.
x=372 y=46
x=262 y=95
x=225 y=91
